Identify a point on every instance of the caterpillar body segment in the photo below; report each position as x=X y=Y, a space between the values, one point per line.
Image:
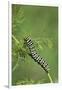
x=34 y=54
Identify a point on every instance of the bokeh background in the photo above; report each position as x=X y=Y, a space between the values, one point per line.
x=41 y=24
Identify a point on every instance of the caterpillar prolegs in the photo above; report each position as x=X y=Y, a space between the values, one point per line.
x=40 y=60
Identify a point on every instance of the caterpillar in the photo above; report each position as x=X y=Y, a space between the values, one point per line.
x=33 y=53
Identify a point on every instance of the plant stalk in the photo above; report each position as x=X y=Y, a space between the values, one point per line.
x=50 y=78
x=15 y=39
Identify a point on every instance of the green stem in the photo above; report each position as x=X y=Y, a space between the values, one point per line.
x=16 y=65
x=15 y=39
x=50 y=78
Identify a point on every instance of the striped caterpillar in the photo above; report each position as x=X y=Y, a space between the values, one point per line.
x=34 y=54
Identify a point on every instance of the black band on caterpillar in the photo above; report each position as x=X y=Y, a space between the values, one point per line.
x=34 y=54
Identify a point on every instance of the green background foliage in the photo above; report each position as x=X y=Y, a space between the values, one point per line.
x=41 y=24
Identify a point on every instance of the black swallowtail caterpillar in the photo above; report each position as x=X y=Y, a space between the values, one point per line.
x=40 y=60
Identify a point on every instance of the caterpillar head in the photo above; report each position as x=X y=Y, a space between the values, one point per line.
x=27 y=39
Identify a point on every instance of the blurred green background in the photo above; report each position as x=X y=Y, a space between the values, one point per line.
x=41 y=24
